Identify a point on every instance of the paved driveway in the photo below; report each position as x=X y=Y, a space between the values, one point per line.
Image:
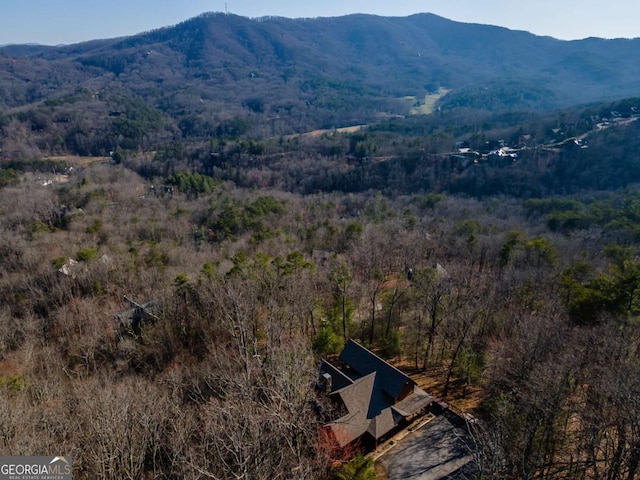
x=434 y=452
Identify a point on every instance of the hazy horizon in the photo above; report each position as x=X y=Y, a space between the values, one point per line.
x=72 y=21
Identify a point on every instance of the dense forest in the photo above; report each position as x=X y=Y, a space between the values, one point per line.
x=171 y=273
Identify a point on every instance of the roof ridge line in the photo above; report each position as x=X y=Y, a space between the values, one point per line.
x=354 y=382
x=380 y=358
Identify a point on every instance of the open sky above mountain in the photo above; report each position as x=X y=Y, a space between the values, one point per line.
x=71 y=21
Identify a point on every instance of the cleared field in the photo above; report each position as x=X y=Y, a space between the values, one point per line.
x=428 y=106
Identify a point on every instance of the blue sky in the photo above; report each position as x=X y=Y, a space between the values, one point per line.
x=53 y=22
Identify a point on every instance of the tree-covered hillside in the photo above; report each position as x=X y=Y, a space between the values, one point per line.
x=528 y=307
x=298 y=75
x=185 y=232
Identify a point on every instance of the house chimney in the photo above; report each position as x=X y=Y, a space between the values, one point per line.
x=326 y=383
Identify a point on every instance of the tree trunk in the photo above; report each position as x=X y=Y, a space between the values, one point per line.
x=394 y=299
x=344 y=315
x=373 y=318
x=373 y=297
x=433 y=312
x=465 y=331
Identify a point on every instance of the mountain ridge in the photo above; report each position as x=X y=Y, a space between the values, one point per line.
x=294 y=75
x=404 y=43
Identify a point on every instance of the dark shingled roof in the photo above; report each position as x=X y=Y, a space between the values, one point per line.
x=356 y=399
x=364 y=362
x=338 y=379
x=415 y=402
x=370 y=392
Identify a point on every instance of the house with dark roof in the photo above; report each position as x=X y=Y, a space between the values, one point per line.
x=373 y=397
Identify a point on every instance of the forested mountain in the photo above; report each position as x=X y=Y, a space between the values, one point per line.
x=181 y=242
x=308 y=73
x=390 y=56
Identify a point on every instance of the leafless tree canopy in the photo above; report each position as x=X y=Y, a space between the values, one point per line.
x=209 y=369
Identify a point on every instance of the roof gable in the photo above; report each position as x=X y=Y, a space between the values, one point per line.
x=355 y=398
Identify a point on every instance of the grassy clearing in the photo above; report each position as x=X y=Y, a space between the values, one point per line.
x=430 y=102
